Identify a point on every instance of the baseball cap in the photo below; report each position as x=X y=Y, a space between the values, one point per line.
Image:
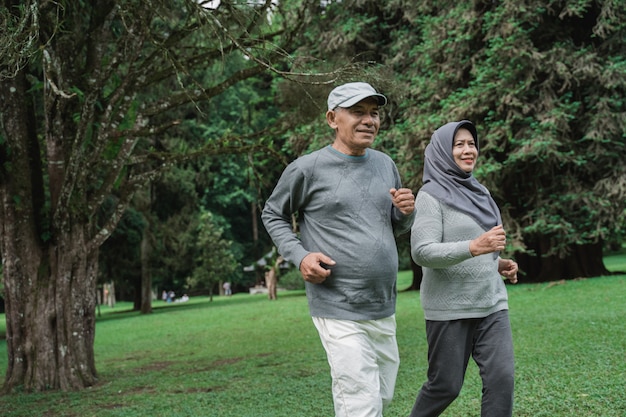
x=347 y=95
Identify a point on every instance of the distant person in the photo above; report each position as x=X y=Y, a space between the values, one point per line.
x=350 y=202
x=164 y=296
x=170 y=296
x=227 y=289
x=457 y=238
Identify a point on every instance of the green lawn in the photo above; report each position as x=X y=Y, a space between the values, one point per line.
x=245 y=356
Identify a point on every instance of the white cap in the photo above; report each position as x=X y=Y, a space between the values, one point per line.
x=347 y=95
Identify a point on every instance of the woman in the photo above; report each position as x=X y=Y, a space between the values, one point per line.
x=456 y=237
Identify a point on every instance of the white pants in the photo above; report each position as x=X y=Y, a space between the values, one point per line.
x=364 y=360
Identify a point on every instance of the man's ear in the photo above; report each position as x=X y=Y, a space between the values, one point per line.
x=330 y=119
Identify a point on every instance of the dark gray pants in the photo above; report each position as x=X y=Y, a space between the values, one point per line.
x=450 y=343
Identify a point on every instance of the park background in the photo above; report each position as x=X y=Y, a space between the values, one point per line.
x=140 y=140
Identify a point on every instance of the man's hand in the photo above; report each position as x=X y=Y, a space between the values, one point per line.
x=315 y=267
x=403 y=199
x=508 y=269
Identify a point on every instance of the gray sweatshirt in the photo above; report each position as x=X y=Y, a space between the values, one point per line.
x=455 y=284
x=344 y=211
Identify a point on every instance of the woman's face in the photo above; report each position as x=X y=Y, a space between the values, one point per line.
x=464 y=150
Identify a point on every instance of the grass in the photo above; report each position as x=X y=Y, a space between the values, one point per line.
x=245 y=356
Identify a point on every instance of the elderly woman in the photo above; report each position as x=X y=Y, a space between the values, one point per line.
x=456 y=237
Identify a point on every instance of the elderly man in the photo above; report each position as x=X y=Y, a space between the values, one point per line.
x=350 y=205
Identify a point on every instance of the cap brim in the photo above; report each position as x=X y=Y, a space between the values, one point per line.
x=382 y=100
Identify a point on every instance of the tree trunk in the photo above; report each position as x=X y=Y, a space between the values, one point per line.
x=51 y=305
x=271 y=283
x=49 y=272
x=417 y=277
x=146 y=276
x=111 y=300
x=583 y=261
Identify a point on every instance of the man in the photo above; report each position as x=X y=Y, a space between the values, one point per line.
x=350 y=203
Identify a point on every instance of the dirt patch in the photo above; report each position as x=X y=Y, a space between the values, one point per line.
x=157 y=366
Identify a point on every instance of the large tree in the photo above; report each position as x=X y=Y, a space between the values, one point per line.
x=85 y=89
x=544 y=81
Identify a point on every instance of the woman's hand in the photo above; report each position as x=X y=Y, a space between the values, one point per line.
x=508 y=269
x=491 y=241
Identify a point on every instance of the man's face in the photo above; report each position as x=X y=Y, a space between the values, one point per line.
x=356 y=127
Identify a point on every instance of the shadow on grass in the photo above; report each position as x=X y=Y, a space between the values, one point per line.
x=159 y=307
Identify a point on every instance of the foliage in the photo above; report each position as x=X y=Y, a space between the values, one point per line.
x=232 y=186
x=20 y=40
x=95 y=112
x=291 y=280
x=99 y=99
x=213 y=261
x=544 y=83
x=243 y=356
x=355 y=33
x=119 y=258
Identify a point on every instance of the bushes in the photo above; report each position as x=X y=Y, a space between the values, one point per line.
x=291 y=280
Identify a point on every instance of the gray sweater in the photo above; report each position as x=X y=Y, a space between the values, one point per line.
x=344 y=211
x=455 y=284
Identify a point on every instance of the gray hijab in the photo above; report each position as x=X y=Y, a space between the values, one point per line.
x=447 y=182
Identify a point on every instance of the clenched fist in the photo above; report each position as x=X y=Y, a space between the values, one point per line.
x=491 y=241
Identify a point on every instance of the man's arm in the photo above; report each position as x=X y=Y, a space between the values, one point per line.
x=276 y=216
x=403 y=214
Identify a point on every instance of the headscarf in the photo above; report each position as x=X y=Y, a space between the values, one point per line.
x=447 y=182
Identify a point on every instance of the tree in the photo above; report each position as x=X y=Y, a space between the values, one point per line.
x=214 y=260
x=86 y=89
x=544 y=84
x=273 y=262
x=543 y=81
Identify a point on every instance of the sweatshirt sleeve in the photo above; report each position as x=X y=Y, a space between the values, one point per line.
x=286 y=199
x=401 y=222
x=428 y=247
